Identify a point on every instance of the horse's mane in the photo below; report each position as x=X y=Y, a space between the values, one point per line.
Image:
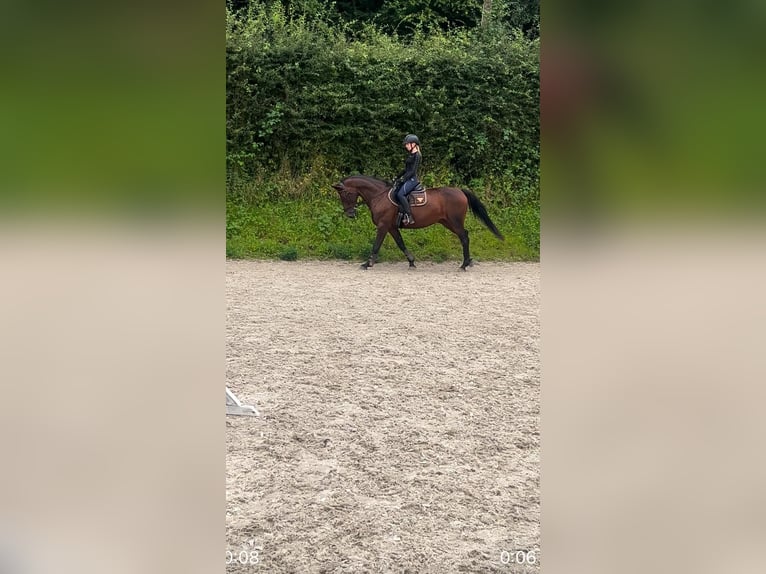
x=368 y=178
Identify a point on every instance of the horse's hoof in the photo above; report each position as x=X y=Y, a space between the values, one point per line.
x=364 y=266
x=412 y=265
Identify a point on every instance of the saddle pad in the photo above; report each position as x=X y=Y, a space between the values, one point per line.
x=417 y=197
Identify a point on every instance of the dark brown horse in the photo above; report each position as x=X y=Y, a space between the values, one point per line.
x=445 y=205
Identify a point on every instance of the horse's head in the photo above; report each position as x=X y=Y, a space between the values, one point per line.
x=348 y=197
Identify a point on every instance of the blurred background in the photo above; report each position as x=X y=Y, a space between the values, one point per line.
x=112 y=151
x=653 y=278
x=653 y=110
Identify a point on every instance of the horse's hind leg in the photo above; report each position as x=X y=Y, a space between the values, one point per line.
x=466 y=255
x=400 y=244
x=462 y=234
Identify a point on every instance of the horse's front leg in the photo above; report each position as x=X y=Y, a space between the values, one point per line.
x=400 y=243
x=376 y=247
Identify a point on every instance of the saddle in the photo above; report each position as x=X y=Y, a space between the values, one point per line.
x=416 y=197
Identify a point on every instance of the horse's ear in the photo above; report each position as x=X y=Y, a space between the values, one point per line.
x=338 y=186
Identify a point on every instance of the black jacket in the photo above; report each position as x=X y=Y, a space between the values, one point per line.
x=410 y=167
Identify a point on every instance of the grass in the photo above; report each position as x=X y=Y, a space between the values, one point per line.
x=297 y=229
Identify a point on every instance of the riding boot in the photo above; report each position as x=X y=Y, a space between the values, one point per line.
x=408 y=211
x=404 y=207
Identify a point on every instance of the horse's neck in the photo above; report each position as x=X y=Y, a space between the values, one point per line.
x=370 y=191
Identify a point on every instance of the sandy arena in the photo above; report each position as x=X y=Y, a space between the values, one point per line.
x=399 y=427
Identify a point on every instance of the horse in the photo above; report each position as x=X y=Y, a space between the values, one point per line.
x=445 y=205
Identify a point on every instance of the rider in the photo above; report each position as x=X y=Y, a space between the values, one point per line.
x=407 y=180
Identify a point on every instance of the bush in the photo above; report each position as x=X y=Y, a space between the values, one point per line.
x=289 y=254
x=300 y=93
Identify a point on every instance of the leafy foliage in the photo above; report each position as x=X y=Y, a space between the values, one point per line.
x=297 y=89
x=404 y=17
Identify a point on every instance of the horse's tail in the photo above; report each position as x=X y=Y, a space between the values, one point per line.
x=481 y=212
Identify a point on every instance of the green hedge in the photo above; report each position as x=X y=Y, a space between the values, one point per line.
x=303 y=95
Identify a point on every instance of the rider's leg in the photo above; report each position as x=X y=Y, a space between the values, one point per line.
x=404 y=201
x=404 y=205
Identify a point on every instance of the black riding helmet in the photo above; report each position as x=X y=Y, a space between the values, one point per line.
x=411 y=138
